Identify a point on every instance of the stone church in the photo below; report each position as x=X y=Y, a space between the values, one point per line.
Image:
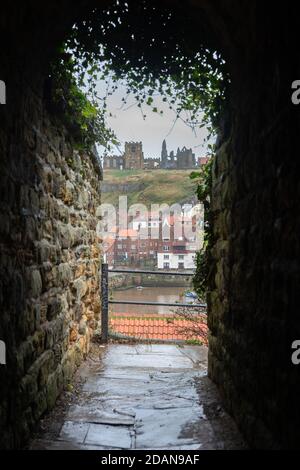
x=132 y=159
x=133 y=156
x=184 y=158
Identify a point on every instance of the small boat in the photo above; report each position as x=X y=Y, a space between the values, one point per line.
x=191 y=295
x=140 y=287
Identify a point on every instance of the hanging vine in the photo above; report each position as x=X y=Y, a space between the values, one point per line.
x=154 y=49
x=204 y=180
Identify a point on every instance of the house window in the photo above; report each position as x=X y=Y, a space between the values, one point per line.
x=166 y=248
x=166 y=265
x=166 y=256
x=181 y=257
x=180 y=265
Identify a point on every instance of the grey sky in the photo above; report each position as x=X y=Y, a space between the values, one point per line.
x=129 y=125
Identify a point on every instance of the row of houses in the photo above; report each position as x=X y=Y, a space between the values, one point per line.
x=155 y=242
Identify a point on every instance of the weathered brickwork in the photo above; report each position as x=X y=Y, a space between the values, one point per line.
x=49 y=261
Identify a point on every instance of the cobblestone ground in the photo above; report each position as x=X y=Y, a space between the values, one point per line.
x=142 y=397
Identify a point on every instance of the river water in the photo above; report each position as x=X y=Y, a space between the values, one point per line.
x=148 y=294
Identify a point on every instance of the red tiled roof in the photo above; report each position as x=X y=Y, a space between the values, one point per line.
x=203 y=160
x=154 y=326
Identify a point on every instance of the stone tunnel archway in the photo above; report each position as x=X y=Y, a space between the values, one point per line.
x=253 y=296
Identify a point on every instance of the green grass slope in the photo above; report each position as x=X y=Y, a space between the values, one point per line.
x=149 y=187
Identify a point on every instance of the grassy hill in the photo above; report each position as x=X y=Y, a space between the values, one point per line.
x=148 y=187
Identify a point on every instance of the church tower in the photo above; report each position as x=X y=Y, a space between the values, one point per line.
x=133 y=156
x=164 y=154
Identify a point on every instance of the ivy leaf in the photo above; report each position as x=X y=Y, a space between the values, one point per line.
x=149 y=101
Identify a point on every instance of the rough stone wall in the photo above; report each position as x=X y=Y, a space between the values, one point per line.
x=255 y=269
x=49 y=261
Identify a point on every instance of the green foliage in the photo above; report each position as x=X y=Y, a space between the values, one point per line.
x=149 y=187
x=155 y=49
x=204 y=180
x=194 y=342
x=201 y=274
x=83 y=117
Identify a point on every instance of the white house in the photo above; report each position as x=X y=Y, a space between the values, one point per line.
x=176 y=261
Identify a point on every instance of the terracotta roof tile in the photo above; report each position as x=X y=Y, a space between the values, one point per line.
x=155 y=327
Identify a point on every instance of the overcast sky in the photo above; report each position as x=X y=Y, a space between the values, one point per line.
x=129 y=125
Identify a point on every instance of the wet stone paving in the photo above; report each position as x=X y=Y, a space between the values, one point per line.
x=145 y=397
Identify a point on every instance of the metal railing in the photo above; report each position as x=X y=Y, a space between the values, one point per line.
x=105 y=301
x=160 y=273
